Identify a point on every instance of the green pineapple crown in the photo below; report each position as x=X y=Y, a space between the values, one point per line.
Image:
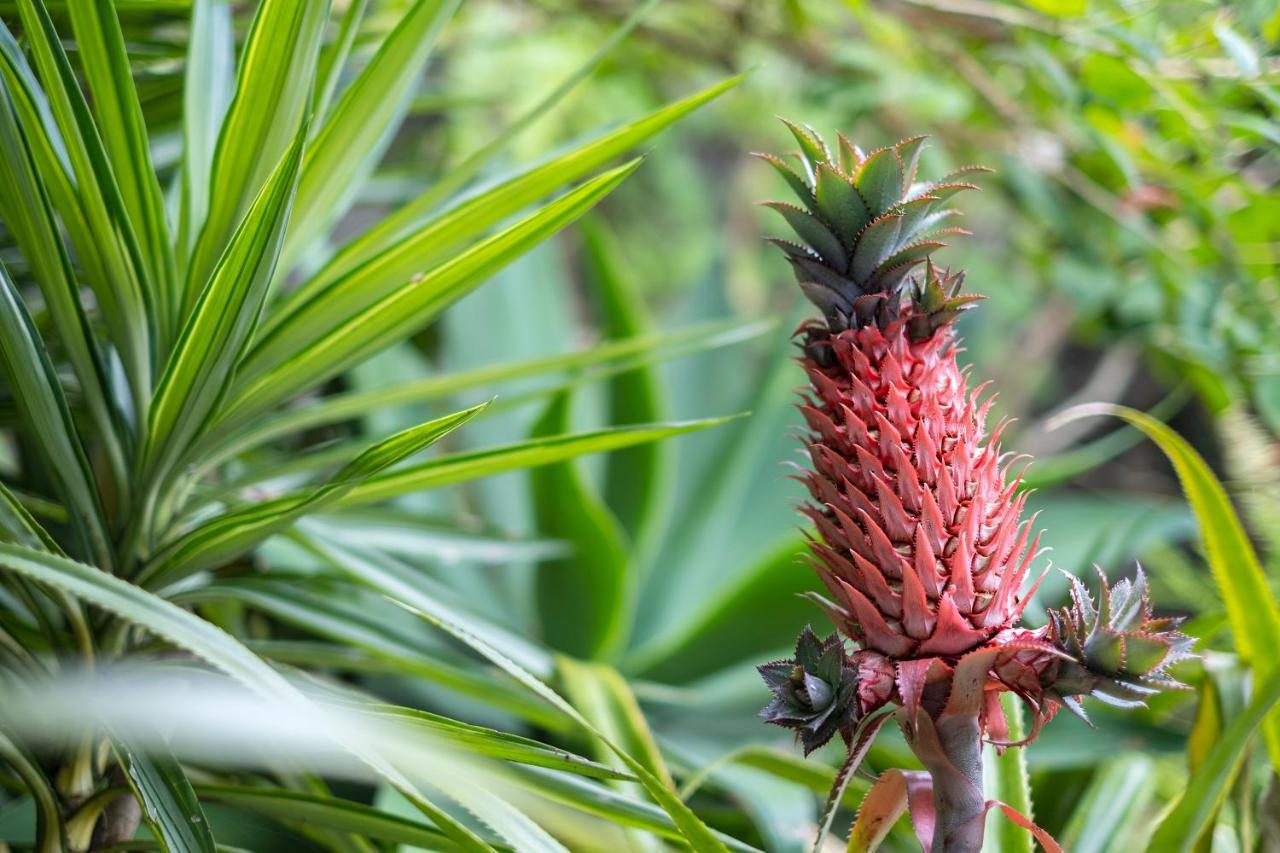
x=813 y=692
x=1121 y=653
x=865 y=225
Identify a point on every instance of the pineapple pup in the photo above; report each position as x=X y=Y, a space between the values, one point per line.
x=921 y=539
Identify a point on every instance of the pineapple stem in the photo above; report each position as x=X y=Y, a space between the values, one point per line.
x=950 y=748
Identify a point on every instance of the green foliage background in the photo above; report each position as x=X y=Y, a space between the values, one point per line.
x=1127 y=244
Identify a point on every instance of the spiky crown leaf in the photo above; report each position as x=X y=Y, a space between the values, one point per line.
x=865 y=225
x=814 y=692
x=1122 y=654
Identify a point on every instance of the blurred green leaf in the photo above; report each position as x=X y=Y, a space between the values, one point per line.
x=1209 y=786
x=582 y=598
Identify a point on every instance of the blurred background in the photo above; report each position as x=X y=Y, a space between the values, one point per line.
x=1127 y=243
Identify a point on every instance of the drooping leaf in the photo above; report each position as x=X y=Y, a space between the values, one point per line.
x=1209 y=786
x=1251 y=609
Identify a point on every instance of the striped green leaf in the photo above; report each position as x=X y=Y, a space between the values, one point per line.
x=691 y=827
x=169 y=804
x=341 y=337
x=376 y=263
x=461 y=467
x=272 y=97
x=1204 y=795
x=107 y=240
x=208 y=86
x=610 y=355
x=105 y=61
x=393 y=228
x=222 y=321
x=208 y=642
x=351 y=142
x=240 y=530
x=30 y=220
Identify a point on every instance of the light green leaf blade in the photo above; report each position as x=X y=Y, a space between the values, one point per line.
x=1251 y=609
x=30 y=220
x=404 y=249
x=208 y=642
x=208 y=86
x=1009 y=783
x=603 y=696
x=353 y=138
x=333 y=59
x=100 y=221
x=1207 y=789
x=101 y=48
x=346 y=337
x=694 y=831
x=461 y=467
x=169 y=805
x=200 y=369
x=502 y=745
x=581 y=597
x=605 y=356
x=272 y=98
x=240 y=530
x=1114 y=809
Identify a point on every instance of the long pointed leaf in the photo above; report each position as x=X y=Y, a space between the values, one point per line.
x=461 y=467
x=353 y=139
x=208 y=86
x=101 y=48
x=121 y=281
x=691 y=827
x=272 y=97
x=199 y=371
x=1251 y=609
x=423 y=240
x=36 y=389
x=344 y=338
x=238 y=531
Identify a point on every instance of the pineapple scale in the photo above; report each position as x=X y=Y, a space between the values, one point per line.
x=921 y=540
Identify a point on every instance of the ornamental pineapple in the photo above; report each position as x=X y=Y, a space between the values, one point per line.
x=921 y=539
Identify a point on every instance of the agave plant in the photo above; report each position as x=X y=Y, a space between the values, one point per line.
x=922 y=542
x=175 y=340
